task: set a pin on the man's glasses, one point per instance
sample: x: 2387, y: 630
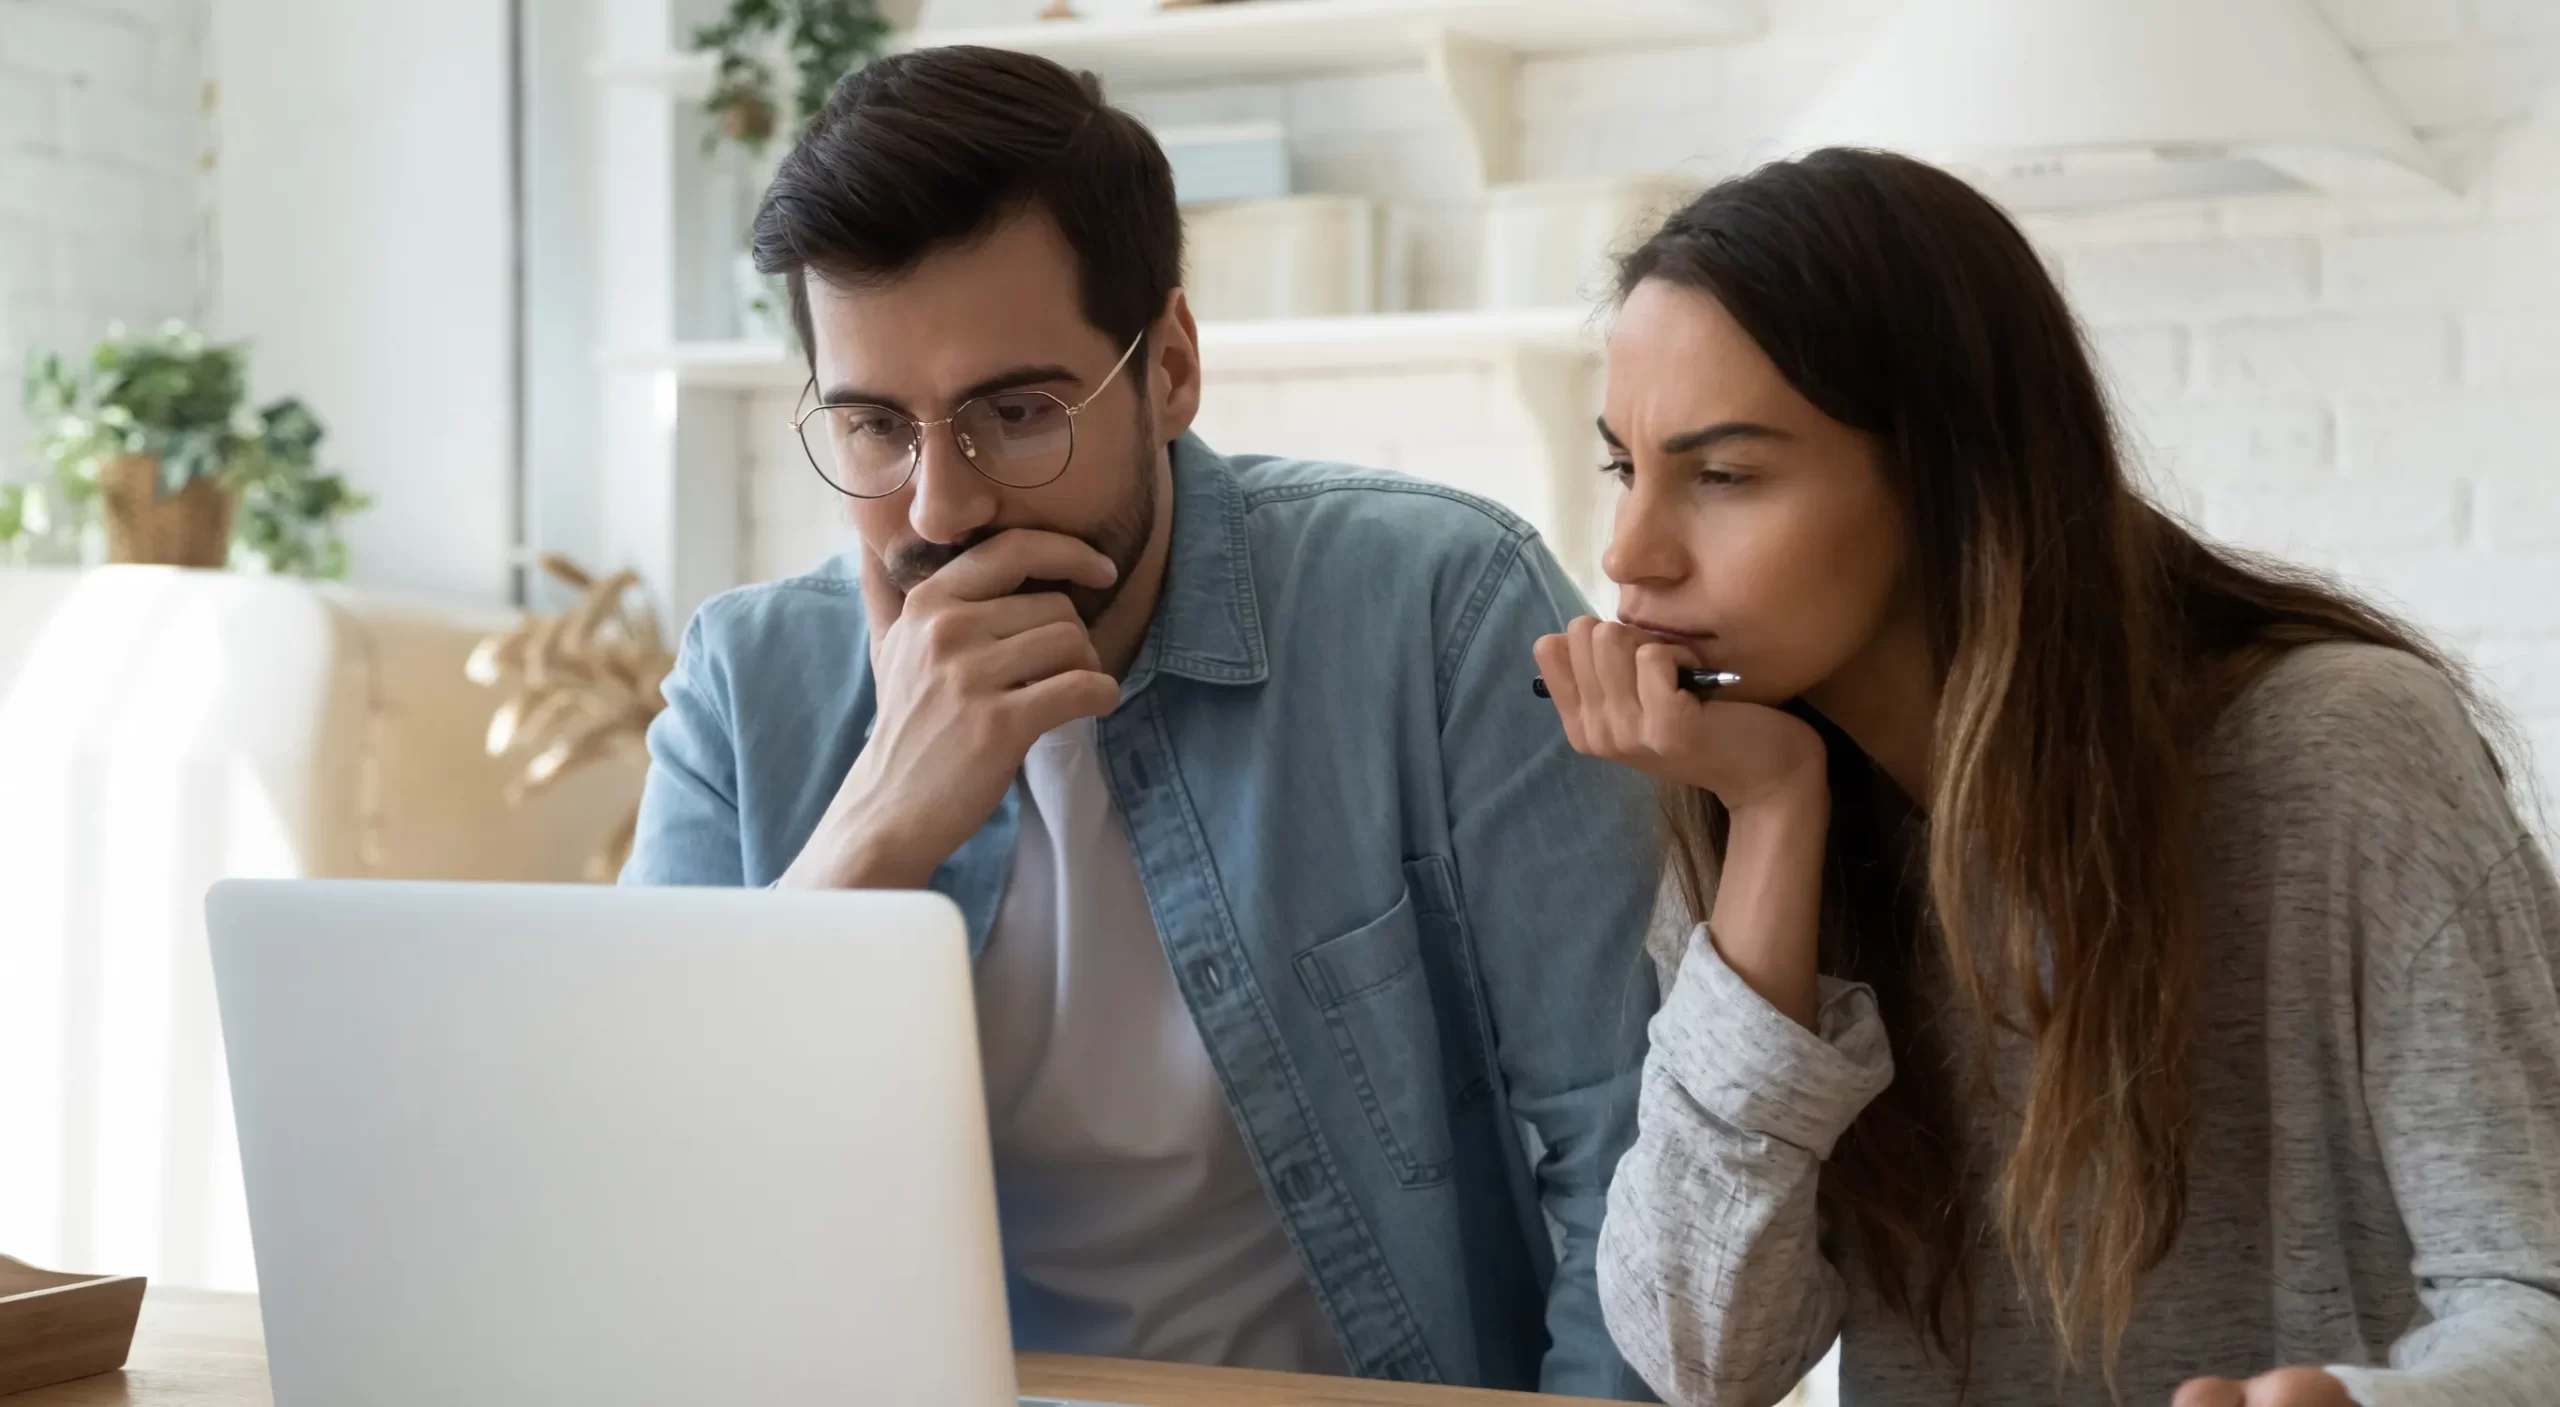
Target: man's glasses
x: 1020, y: 439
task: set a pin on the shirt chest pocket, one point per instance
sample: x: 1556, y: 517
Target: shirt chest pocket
x: 1375, y: 991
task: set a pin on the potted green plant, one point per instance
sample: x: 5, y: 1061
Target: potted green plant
x: 154, y: 440
x: 820, y: 41
x: 823, y: 40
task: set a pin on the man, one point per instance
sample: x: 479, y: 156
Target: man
x: 1300, y: 931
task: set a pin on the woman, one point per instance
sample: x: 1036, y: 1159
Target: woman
x: 2122, y: 964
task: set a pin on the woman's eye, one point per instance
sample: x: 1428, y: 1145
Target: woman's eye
x: 1708, y: 476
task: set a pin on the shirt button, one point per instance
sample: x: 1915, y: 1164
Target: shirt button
x: 1207, y: 974
x: 1298, y: 1184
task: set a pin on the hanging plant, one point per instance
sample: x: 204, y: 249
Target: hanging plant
x: 822, y: 39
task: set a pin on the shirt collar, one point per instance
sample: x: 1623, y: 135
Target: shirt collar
x: 1208, y: 622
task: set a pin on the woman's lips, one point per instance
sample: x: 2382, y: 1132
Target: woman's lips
x: 1666, y: 633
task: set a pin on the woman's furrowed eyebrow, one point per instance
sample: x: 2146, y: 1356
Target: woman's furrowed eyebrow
x: 1705, y: 436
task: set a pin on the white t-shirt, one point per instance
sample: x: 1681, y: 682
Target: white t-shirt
x: 1134, y: 1224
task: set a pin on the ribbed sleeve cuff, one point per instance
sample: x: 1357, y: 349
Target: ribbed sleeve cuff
x: 1751, y: 1066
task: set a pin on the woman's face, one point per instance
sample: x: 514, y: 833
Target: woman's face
x: 1752, y: 527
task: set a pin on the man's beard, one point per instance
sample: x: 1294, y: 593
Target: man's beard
x: 1122, y: 537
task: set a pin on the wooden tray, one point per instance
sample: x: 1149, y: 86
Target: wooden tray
x: 56, y: 1327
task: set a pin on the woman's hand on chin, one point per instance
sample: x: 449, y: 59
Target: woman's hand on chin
x: 1616, y: 689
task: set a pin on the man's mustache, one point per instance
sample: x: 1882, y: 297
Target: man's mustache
x: 910, y: 565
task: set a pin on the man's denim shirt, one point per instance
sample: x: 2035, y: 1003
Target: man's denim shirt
x: 1407, y: 917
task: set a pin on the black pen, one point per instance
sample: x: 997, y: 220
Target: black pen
x: 1692, y: 681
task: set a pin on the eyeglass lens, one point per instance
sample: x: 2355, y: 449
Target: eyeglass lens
x: 1021, y: 439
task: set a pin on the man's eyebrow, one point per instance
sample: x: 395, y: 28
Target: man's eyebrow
x: 845, y: 393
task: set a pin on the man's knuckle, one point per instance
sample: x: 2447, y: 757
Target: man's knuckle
x: 943, y: 631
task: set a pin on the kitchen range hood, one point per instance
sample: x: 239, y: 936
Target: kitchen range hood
x: 2052, y: 104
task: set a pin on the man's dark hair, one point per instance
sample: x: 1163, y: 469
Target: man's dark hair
x: 931, y: 148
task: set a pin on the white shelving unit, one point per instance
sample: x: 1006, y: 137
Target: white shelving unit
x: 685, y: 77
x: 720, y: 366
x: 1352, y: 344
x: 671, y: 403
x: 1285, y: 38
x: 1397, y: 340
x: 1207, y: 43
x: 1471, y: 48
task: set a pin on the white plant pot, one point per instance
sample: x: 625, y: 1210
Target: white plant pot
x: 1309, y: 256
x: 1551, y: 244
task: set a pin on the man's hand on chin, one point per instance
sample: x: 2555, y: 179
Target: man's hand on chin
x: 970, y: 670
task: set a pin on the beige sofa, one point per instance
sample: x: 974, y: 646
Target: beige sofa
x: 163, y: 729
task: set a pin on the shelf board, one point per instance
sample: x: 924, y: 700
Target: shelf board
x: 1273, y: 38
x: 730, y: 365
x: 683, y: 76
x: 1389, y: 341
x: 1382, y: 342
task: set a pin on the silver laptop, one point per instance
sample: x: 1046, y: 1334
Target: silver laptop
x: 514, y: 1145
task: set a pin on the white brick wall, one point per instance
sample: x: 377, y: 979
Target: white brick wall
x: 2321, y: 350
x: 2363, y: 387
x: 102, y: 145
x: 2510, y: 349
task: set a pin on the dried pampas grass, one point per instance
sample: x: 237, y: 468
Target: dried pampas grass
x: 586, y: 685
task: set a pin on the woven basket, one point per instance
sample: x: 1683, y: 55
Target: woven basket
x: 189, y: 528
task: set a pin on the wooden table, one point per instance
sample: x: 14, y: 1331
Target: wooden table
x: 197, y: 1349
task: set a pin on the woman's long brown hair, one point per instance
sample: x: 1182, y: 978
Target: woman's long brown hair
x: 2084, y: 642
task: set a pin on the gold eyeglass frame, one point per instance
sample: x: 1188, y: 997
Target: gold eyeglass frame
x: 915, y: 455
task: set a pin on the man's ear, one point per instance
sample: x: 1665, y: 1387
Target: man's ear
x: 1173, y: 368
